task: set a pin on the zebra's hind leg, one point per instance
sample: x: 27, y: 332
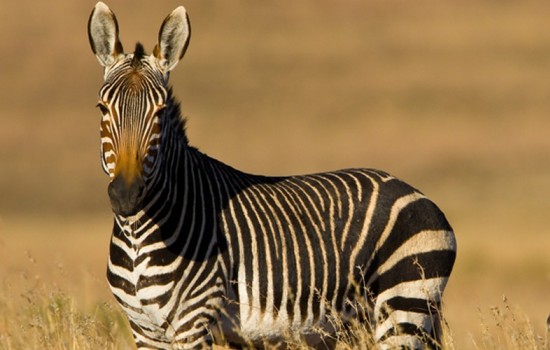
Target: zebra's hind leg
x: 408, y: 315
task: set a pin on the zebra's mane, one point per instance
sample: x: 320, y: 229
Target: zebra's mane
x: 174, y: 116
x: 139, y: 53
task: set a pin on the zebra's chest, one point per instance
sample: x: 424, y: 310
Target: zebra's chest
x: 133, y: 280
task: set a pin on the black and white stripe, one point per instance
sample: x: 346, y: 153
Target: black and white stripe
x: 271, y: 259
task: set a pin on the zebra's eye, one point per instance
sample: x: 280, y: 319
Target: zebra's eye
x: 104, y: 110
x: 159, y: 110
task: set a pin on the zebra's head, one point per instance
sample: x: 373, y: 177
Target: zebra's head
x: 132, y: 101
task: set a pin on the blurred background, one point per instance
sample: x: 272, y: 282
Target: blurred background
x: 452, y: 97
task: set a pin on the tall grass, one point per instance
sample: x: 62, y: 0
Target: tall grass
x: 506, y: 327
x: 53, y: 320
x: 53, y: 293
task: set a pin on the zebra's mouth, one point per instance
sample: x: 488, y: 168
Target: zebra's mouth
x: 126, y: 197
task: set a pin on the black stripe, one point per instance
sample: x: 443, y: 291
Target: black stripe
x: 404, y: 329
x: 415, y: 268
x: 415, y: 305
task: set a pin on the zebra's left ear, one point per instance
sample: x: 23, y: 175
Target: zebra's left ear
x: 174, y: 36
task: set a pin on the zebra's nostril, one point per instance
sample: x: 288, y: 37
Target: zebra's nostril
x: 115, y: 188
x: 126, y: 196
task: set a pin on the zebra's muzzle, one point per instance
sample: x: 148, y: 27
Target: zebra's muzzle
x: 126, y: 196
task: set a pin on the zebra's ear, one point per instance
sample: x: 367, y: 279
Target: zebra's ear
x: 103, y: 35
x: 174, y: 36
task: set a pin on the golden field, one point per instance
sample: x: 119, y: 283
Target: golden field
x: 453, y: 97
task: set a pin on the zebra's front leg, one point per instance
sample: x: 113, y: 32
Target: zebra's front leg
x: 148, y: 339
x: 197, y: 332
x: 200, y: 340
x: 195, y: 337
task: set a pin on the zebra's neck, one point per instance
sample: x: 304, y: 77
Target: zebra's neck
x: 185, y: 195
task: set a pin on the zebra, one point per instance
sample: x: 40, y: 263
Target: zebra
x: 202, y: 253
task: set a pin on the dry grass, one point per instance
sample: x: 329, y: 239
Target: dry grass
x: 52, y: 291
x: 451, y: 96
x: 52, y: 320
x: 504, y: 328
x: 53, y: 294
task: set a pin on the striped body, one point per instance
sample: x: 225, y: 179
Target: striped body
x: 201, y: 251
x: 278, y: 253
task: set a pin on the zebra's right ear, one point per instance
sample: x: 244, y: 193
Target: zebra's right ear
x: 174, y: 36
x: 103, y: 35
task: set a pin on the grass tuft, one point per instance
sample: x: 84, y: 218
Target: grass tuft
x: 53, y: 321
x: 506, y: 327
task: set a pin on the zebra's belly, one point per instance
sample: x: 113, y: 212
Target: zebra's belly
x: 260, y: 327
x: 242, y: 324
